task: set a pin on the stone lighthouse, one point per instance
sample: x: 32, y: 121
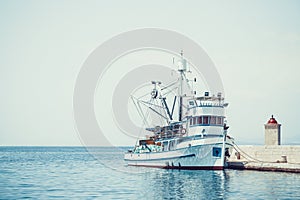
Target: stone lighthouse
x: 272, y: 132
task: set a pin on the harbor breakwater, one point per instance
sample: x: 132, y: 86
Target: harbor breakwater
x: 267, y: 158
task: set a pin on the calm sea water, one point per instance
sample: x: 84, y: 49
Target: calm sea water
x: 99, y: 173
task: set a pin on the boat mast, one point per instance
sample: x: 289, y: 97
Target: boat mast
x: 181, y: 69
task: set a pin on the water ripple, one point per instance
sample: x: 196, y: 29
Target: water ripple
x: 72, y: 173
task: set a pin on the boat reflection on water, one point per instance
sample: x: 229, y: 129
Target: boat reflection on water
x: 176, y: 184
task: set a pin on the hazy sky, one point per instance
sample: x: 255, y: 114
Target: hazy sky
x: 255, y: 46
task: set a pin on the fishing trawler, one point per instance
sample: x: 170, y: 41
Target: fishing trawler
x: 196, y: 139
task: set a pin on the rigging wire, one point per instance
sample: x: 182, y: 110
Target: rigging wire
x: 143, y: 125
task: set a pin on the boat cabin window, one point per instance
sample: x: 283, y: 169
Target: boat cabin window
x: 199, y: 120
x: 220, y: 120
x: 207, y: 120
x: 212, y: 120
x: 194, y: 120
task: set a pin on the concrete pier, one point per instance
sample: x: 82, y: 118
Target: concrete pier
x: 285, y: 158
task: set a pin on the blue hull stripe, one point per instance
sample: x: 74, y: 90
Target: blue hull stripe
x: 168, y: 158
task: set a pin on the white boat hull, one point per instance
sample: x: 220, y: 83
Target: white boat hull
x: 198, y: 155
